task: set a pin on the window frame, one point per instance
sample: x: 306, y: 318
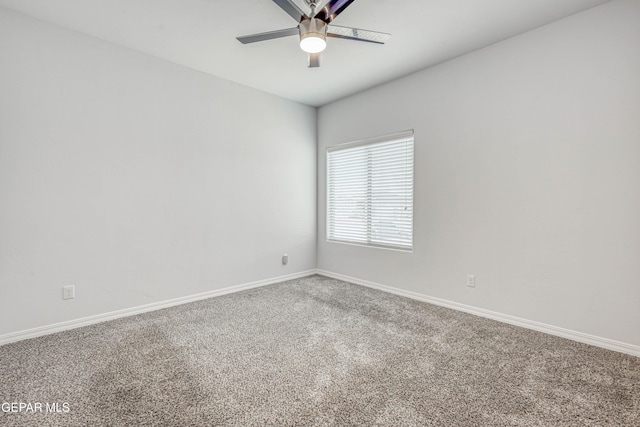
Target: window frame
x: 403, y: 135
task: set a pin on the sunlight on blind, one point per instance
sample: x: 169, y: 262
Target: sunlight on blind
x: 370, y: 192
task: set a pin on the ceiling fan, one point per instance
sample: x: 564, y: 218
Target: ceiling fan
x: 315, y: 27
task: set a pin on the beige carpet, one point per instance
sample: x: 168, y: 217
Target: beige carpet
x: 315, y: 351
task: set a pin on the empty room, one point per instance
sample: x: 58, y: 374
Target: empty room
x: 329, y: 213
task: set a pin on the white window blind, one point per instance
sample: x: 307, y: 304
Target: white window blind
x: 370, y: 192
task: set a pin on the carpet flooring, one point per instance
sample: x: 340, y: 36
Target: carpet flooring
x: 314, y: 351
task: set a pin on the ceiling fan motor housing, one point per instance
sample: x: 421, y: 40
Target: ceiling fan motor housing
x: 313, y: 35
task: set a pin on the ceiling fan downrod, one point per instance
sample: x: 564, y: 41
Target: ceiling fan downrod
x: 312, y: 6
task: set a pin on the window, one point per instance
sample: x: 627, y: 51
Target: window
x: 370, y: 192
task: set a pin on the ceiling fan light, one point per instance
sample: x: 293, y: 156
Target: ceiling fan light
x: 313, y: 35
x: 313, y: 44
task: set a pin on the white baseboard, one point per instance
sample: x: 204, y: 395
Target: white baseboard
x: 609, y: 344
x: 85, y: 321
x: 621, y: 347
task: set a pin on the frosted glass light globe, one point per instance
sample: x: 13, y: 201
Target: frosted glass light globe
x: 313, y: 44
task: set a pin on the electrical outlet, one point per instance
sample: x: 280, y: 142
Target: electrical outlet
x: 285, y: 259
x: 68, y: 292
x: 471, y: 281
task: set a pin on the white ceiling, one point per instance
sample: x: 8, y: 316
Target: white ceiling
x: 200, y: 34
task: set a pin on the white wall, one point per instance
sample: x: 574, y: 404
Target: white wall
x: 139, y: 181
x: 527, y: 175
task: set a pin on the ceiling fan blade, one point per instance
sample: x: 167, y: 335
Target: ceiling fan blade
x: 291, y: 8
x: 357, y: 34
x: 268, y: 35
x: 314, y: 60
x: 332, y: 9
